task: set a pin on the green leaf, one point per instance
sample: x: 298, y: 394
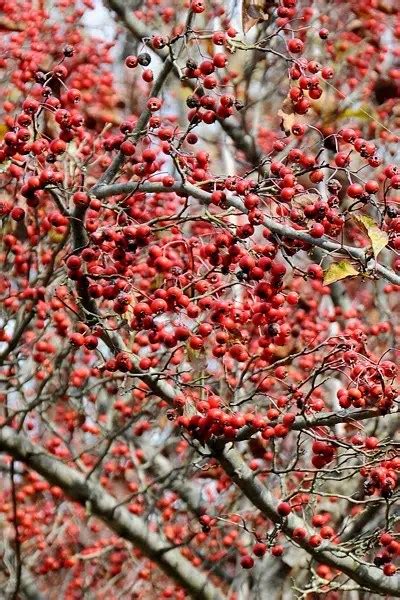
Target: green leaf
x: 88, y: 508
x: 337, y: 271
x: 189, y: 408
x: 4, y: 166
x: 379, y: 238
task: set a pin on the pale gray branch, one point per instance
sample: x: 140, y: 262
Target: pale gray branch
x: 279, y: 229
x: 105, y: 507
x: 369, y: 577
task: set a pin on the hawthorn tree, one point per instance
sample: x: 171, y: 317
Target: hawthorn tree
x: 199, y: 312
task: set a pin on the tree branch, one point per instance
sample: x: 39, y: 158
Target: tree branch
x: 277, y: 228
x: 102, y: 504
x: 28, y: 588
x: 242, y: 141
x: 369, y: 577
x: 230, y: 460
x: 322, y: 420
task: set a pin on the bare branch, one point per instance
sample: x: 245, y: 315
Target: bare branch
x: 277, y: 228
x: 368, y: 577
x: 102, y: 504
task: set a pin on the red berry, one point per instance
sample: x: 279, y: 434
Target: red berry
x: 247, y: 561
x: 197, y: 6
x: 295, y: 46
x: 277, y: 550
x: 327, y: 73
x: 196, y: 342
x: 385, y: 539
x: 154, y: 104
x: 355, y: 190
x: 80, y: 199
x: 220, y: 60
x: 218, y: 38
x: 395, y: 182
x: 73, y: 262
x: 371, y: 443
x: 287, y: 193
x: 17, y: 214
x: 128, y: 148
x: 131, y: 62
x: 389, y: 569
x: 349, y: 135
x: 317, y: 230
x: 372, y: 186
x: 284, y: 509
x: 315, y: 540
x: 259, y: 549
x: 299, y: 533
x: 327, y: 532
x: 148, y: 75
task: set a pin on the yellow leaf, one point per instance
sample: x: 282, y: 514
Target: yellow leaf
x: 192, y: 355
x: 379, y: 238
x: 157, y: 282
x: 362, y: 113
x: 3, y: 130
x: 55, y: 236
x: 337, y: 271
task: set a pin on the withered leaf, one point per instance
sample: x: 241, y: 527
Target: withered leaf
x: 252, y: 13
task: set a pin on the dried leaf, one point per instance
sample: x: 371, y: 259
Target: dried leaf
x: 355, y: 24
x: 8, y: 25
x: 338, y: 271
x: 387, y: 6
x: 287, y: 121
x: 283, y: 351
x: 196, y: 358
x: 287, y: 116
x: 327, y: 106
x: 303, y: 200
x: 252, y: 13
x: 378, y: 238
